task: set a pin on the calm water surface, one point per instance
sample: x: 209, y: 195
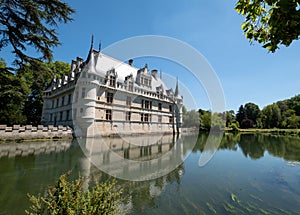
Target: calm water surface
x: 249, y: 174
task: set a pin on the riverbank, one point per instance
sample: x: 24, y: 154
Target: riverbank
x: 29, y: 132
x: 275, y: 131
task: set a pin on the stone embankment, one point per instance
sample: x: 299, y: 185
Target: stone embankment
x: 28, y: 132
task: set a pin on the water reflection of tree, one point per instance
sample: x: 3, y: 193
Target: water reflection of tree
x: 142, y: 195
x: 255, y: 145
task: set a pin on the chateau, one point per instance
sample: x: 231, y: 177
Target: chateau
x: 112, y: 96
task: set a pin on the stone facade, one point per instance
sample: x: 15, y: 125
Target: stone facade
x: 112, y: 97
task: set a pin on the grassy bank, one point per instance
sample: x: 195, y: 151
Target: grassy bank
x: 292, y: 132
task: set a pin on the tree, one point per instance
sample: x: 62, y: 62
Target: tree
x: 229, y: 117
x: 31, y: 23
x: 37, y: 74
x: 270, y: 22
x: 271, y: 116
x: 205, y: 119
x: 21, y: 94
x: 13, y: 93
x: 190, y: 118
x: 252, y: 112
x: 241, y: 114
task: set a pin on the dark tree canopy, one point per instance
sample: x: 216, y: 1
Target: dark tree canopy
x: 241, y: 114
x: 270, y: 22
x: 252, y: 111
x: 21, y: 94
x: 31, y: 24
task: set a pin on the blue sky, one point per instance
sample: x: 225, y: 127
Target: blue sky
x: 248, y: 73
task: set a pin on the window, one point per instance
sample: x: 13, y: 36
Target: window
x: 57, y: 102
x: 52, y: 104
x: 146, y: 119
x: 160, y: 119
x: 128, y: 116
x: 128, y: 101
x: 130, y: 86
x: 69, y: 99
x: 109, y: 97
x: 50, y: 117
x: 142, y: 117
x: 99, y: 93
x: 142, y: 103
x: 68, y: 115
x: 112, y: 81
x: 108, y: 115
x: 62, y: 101
x: 147, y: 104
x: 170, y: 108
x: 170, y: 119
x: 83, y: 93
x: 60, y: 116
x: 159, y: 106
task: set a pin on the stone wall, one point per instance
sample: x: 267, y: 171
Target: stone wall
x: 18, y: 132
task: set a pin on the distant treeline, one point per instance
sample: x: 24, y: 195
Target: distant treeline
x: 21, y: 90
x: 282, y: 114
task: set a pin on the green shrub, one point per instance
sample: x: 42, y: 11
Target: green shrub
x: 234, y: 127
x: 69, y: 198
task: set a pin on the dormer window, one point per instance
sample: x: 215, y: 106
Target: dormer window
x: 129, y: 82
x: 130, y: 86
x: 112, y: 81
x: 143, y: 77
x: 111, y: 76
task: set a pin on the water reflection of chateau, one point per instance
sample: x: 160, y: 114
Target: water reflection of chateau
x: 12, y: 149
x: 138, y: 158
x: 135, y: 157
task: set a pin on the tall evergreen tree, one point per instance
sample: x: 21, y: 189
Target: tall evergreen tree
x: 241, y: 114
x: 31, y: 23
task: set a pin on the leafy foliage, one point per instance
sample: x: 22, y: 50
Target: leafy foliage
x: 21, y: 94
x: 13, y: 92
x: 190, y: 118
x: 32, y: 23
x: 270, y: 22
x: 281, y: 114
x: 37, y: 74
x: 205, y: 120
x: 271, y: 116
x: 70, y: 198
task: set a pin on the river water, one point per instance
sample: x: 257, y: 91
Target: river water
x: 248, y: 174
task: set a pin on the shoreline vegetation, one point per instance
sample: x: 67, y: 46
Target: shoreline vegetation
x: 272, y: 131
x: 275, y: 131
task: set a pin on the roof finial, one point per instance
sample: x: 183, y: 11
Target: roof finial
x: 100, y: 46
x: 92, y: 42
x: 176, y: 89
